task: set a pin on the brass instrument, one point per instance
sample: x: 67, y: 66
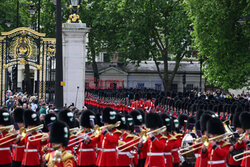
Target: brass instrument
x: 241, y: 138
x: 240, y: 154
x: 144, y: 137
x: 22, y: 132
x: 97, y: 131
x: 7, y: 128
x: 42, y: 136
x: 205, y: 140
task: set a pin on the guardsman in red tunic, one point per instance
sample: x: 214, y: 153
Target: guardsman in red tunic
x: 5, y: 154
x: 168, y: 140
x: 245, y: 142
x: 86, y: 149
x: 32, y: 152
x: 108, y: 140
x: 148, y: 105
x: 233, y: 150
x: 18, y: 149
x: 67, y: 116
x: 49, y: 119
x: 136, y: 104
x: 203, y: 117
x: 138, y: 123
x: 59, y: 137
x: 155, y: 148
x: 218, y: 149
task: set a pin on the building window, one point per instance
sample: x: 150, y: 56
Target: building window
x: 189, y: 87
x: 158, y: 86
x: 174, y: 87
x: 140, y: 85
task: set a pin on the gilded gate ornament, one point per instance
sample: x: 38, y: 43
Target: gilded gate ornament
x: 22, y: 47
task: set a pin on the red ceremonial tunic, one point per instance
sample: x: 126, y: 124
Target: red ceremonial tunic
x: 107, y: 155
x: 217, y: 157
x: 5, y: 153
x: 86, y: 153
x: 246, y: 161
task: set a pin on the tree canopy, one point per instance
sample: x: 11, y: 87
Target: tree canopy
x: 221, y: 40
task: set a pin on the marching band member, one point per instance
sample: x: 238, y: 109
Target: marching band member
x: 138, y: 126
x: 108, y: 140
x: 32, y: 152
x: 166, y: 139
x: 244, y: 143
x: 5, y: 154
x: 233, y: 151
x: 86, y: 150
x: 49, y: 119
x: 67, y: 116
x: 155, y: 148
x: 18, y: 149
x: 59, y: 137
x: 218, y: 149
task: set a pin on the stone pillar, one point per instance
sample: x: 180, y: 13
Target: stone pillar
x: 74, y: 56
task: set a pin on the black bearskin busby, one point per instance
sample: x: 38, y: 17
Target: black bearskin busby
x: 236, y: 120
x: 5, y: 119
x: 121, y: 117
x: 215, y: 126
x: 166, y: 121
x: 245, y: 120
x: 130, y: 123
x: 142, y: 114
x: 59, y: 133
x: 108, y: 115
x: 153, y: 120
x: 18, y: 115
x: 137, y: 97
x: 190, y: 123
x: 203, y: 120
x: 30, y: 118
x: 137, y: 116
x: 98, y: 118
x: 87, y: 119
x: 182, y: 119
x: 65, y: 115
x: 49, y: 119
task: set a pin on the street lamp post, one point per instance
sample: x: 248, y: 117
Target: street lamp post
x: 59, y: 62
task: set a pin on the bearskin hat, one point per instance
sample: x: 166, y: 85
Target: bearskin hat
x: 121, y: 117
x: 108, y: 115
x: 153, y: 120
x: 191, y: 122
x: 137, y: 97
x: 87, y: 119
x: 18, y: 115
x: 5, y: 119
x: 149, y: 96
x: 166, y: 121
x: 182, y: 119
x: 244, y: 120
x: 204, y: 118
x: 130, y: 123
x: 236, y: 120
x: 50, y: 118
x: 215, y: 126
x: 65, y: 115
x: 30, y: 118
x: 98, y: 118
x: 143, y: 114
x: 137, y: 117
x: 59, y: 133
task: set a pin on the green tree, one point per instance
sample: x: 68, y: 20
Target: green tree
x: 143, y: 29
x: 221, y: 40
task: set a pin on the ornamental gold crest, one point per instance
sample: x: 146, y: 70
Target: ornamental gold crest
x: 22, y: 47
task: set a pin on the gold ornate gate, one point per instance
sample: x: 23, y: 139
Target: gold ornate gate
x: 25, y: 46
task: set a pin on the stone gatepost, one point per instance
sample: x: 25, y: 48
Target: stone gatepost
x: 74, y: 57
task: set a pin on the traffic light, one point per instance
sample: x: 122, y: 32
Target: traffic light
x: 14, y: 78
